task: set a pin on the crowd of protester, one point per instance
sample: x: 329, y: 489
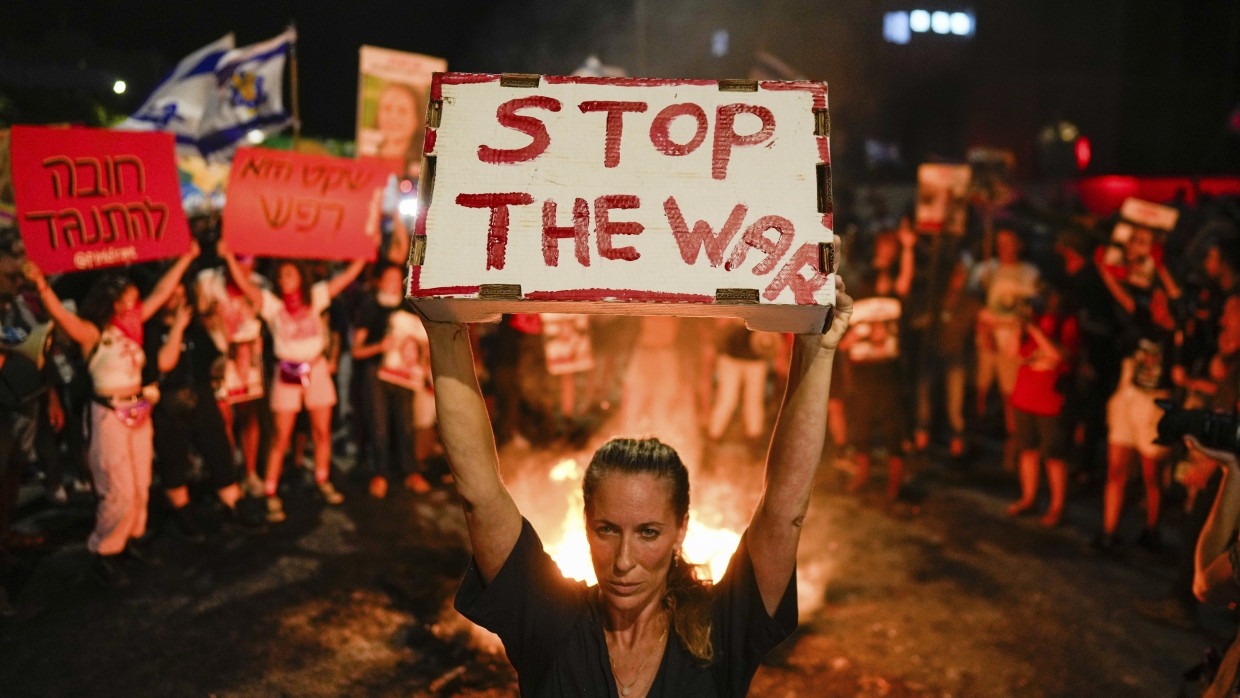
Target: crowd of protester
x: 1039, y: 340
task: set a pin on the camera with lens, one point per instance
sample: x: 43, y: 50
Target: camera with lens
x: 1219, y: 430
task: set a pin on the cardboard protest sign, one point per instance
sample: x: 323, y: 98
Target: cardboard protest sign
x: 942, y: 198
x: 89, y: 198
x: 1144, y: 213
x: 391, y: 106
x: 566, y: 343
x: 284, y: 204
x: 407, y: 363
x: 875, y: 330
x: 625, y: 195
x: 243, y: 373
x: 1136, y: 212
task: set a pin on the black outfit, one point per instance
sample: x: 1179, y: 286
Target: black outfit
x: 876, y: 391
x: 187, y: 413
x: 387, y: 407
x: 552, y: 628
x: 1098, y: 317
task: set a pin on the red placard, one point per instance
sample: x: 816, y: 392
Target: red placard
x: 90, y: 198
x: 285, y: 204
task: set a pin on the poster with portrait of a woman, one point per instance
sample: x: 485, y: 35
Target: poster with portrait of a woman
x: 392, y: 91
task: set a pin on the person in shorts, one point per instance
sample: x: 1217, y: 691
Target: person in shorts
x: 1049, y: 344
x: 303, y: 378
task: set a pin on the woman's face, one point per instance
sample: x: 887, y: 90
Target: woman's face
x: 633, y: 532
x: 128, y: 300
x: 289, y: 279
x: 1007, y: 247
x: 1140, y: 245
x: 397, y: 118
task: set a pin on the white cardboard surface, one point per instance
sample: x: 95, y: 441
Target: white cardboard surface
x: 776, y: 177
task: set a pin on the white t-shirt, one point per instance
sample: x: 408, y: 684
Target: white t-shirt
x: 1007, y: 286
x: 301, y: 337
x: 1008, y: 289
x: 116, y: 364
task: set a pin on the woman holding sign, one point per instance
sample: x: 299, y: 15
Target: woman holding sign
x: 649, y: 627
x: 121, y: 447
x: 303, y: 378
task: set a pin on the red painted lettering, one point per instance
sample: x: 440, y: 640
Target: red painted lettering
x: 660, y: 129
x: 508, y: 117
x: 615, y: 124
x: 702, y: 237
x: 497, y: 233
x: 803, y: 289
x: 727, y: 138
x: 605, y: 228
x: 755, y: 238
x: 579, y: 231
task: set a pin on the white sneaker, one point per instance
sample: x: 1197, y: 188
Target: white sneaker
x: 58, y: 496
x: 330, y: 494
x: 253, y: 485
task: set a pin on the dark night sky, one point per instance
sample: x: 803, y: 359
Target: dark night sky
x: 144, y: 39
x: 1150, y: 81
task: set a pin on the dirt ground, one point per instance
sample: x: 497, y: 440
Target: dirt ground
x: 941, y: 594
x: 946, y: 596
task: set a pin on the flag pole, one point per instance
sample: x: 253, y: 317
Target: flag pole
x: 293, y: 89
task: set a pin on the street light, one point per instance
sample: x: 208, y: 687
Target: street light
x: 119, y: 87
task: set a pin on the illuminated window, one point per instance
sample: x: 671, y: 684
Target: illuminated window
x: 961, y: 23
x: 919, y: 21
x: 896, y: 27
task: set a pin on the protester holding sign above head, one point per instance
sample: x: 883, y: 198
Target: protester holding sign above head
x: 303, y: 378
x: 237, y: 331
x: 1143, y: 291
x: 110, y: 334
x: 649, y: 627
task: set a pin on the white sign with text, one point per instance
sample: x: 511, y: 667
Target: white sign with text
x: 627, y: 195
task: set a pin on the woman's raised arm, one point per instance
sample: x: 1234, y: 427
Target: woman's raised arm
x: 81, y: 331
x: 1214, y: 577
x: 164, y: 287
x: 253, y: 293
x: 796, y: 449
x: 338, y: 283
x: 465, y: 428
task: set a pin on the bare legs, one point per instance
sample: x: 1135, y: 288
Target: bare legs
x: 1056, y: 478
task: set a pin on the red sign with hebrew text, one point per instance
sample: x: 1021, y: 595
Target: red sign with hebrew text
x: 89, y: 198
x: 285, y: 204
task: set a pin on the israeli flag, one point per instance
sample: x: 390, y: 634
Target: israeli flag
x: 248, y: 95
x: 179, y: 102
x: 217, y: 95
